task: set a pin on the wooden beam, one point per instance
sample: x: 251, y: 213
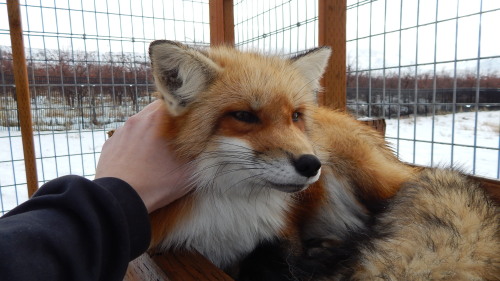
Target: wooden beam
x: 332, y: 32
x: 189, y: 266
x: 22, y: 94
x: 221, y: 22
x: 491, y: 186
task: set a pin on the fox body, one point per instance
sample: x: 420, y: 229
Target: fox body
x: 441, y: 225
x: 451, y: 233
x: 268, y: 163
x: 263, y: 158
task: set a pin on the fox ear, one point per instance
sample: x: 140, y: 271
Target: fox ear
x: 180, y: 73
x: 312, y: 64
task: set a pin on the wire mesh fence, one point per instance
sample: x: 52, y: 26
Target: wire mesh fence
x: 88, y: 72
x: 283, y: 26
x: 431, y: 68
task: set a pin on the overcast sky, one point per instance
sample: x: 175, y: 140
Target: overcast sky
x: 443, y: 42
x: 283, y: 26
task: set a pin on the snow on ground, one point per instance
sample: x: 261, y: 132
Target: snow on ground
x: 58, y: 153
x: 433, y: 143
x: 76, y: 152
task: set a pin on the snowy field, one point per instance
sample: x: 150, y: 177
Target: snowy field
x: 433, y: 143
x: 76, y: 152
x: 58, y: 153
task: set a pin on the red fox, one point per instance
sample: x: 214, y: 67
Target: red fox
x: 269, y: 164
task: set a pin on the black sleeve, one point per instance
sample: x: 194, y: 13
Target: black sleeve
x: 74, y: 229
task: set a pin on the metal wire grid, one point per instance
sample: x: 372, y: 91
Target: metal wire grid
x: 285, y: 26
x: 409, y: 59
x: 88, y: 70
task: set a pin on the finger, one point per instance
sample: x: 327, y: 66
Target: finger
x: 150, y: 108
x: 153, y: 111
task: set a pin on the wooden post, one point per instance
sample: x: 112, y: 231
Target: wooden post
x: 221, y: 22
x: 332, y: 32
x: 23, y: 94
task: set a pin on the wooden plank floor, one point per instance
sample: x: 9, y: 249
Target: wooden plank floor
x: 189, y: 266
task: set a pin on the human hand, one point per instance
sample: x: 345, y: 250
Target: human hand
x: 139, y: 154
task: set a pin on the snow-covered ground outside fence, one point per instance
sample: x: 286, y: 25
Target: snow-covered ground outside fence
x: 433, y: 143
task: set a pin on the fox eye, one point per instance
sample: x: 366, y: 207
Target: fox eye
x: 245, y: 116
x: 295, y: 116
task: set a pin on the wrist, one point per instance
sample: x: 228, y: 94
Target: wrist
x: 147, y: 200
x: 134, y: 210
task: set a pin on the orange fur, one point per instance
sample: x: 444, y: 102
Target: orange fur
x: 358, y: 153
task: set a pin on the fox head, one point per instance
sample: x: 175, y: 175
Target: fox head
x: 240, y: 116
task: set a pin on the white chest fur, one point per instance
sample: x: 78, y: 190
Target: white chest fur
x: 225, y: 228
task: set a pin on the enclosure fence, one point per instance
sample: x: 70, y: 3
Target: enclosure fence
x: 430, y: 68
x: 88, y: 72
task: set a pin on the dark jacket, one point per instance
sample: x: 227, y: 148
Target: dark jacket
x: 74, y: 229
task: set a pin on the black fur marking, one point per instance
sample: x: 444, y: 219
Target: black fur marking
x: 173, y: 82
x: 319, y: 258
x: 439, y: 222
x: 267, y: 262
x: 171, y: 79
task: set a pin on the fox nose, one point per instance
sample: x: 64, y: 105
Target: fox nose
x: 307, y: 165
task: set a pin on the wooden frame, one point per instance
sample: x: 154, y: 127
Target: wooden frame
x: 221, y: 22
x: 332, y: 32
x: 23, y: 94
x: 189, y: 266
